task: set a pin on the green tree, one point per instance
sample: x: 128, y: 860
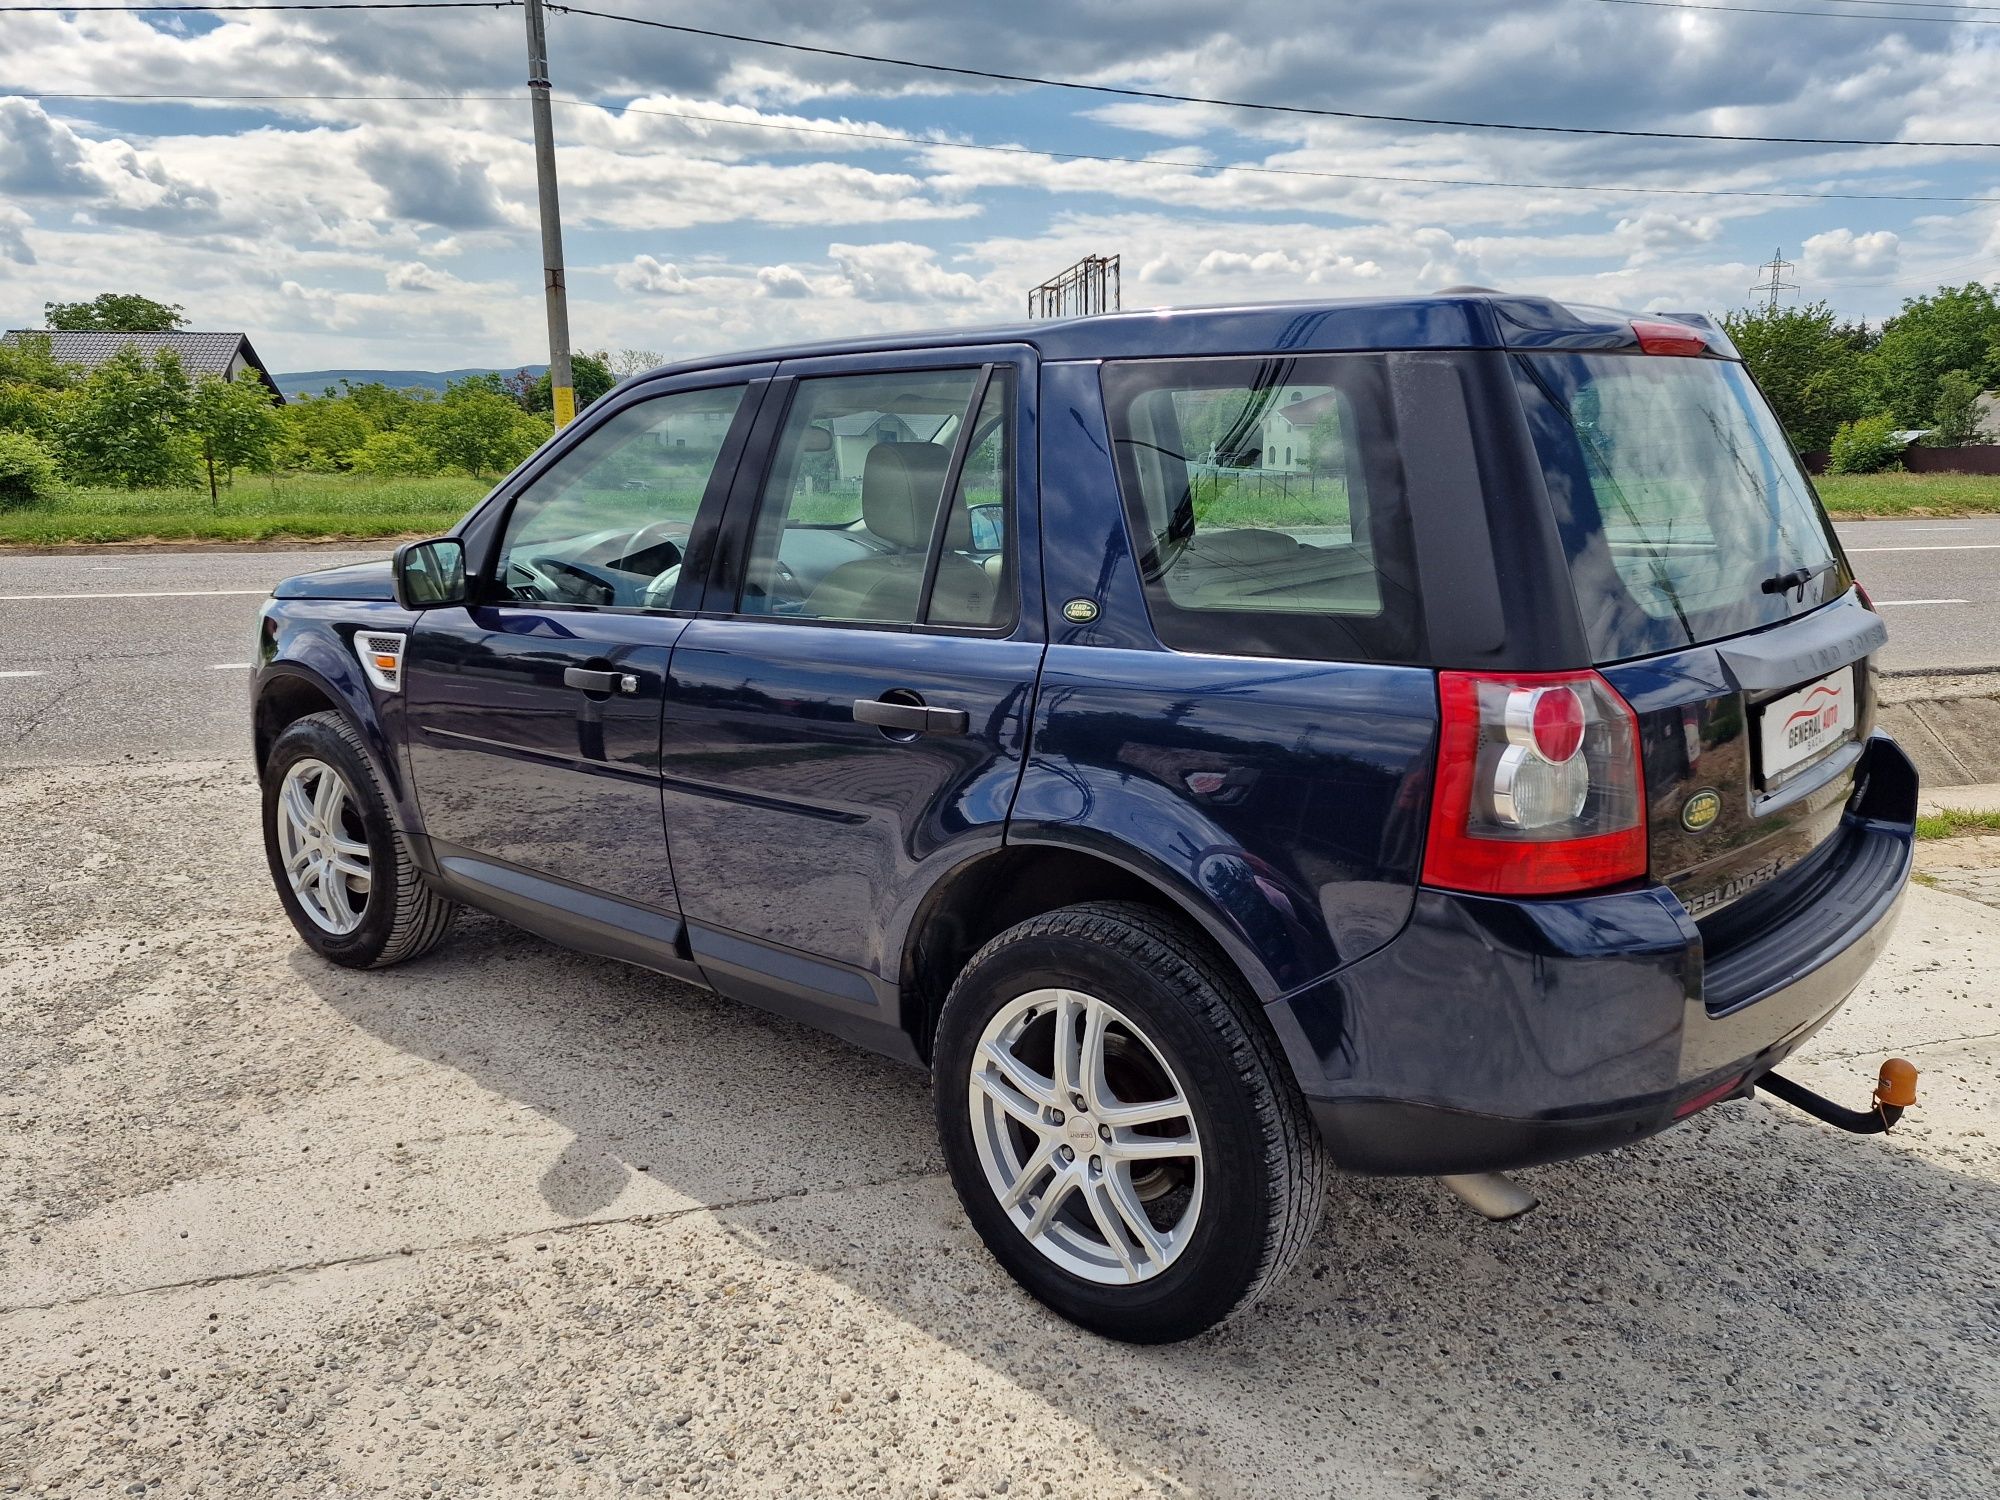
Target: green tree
x: 1328, y: 446
x: 320, y: 432
x: 475, y: 429
x: 1955, y: 417
x: 235, y: 423
x: 593, y: 377
x: 394, y: 454
x: 31, y: 385
x: 629, y: 362
x: 1808, y: 366
x: 1954, y: 328
x: 384, y: 407
x: 117, y: 312
x: 126, y: 422
x: 27, y: 471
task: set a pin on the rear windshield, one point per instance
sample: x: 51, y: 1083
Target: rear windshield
x: 1684, y: 513
x: 1266, y: 505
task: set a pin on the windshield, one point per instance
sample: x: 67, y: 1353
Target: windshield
x: 1684, y: 513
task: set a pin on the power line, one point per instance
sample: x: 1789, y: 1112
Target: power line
x: 932, y: 143
x: 1197, y: 166
x: 1824, y: 15
x: 994, y: 76
x: 1915, y: 4
x: 274, y: 5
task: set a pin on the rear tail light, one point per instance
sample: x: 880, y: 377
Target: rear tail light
x: 1539, y: 790
x: 1867, y: 599
x: 1657, y: 336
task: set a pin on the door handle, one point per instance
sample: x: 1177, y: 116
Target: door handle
x: 910, y: 718
x: 589, y: 680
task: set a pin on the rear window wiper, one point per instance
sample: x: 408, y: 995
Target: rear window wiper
x: 1798, y: 578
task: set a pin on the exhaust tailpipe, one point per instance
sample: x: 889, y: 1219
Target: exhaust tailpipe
x: 1494, y: 1194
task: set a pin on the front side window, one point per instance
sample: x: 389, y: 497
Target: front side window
x: 1266, y: 505
x: 847, y: 523
x: 605, y: 525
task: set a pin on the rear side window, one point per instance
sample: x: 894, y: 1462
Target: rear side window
x: 1266, y: 505
x: 1684, y: 514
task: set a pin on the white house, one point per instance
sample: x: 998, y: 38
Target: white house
x: 1288, y: 428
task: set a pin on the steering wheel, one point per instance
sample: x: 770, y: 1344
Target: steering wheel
x: 576, y: 584
x: 659, y: 594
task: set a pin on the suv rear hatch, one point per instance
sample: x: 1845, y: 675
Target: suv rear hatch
x: 1715, y: 599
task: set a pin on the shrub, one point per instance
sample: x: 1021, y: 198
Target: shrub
x: 393, y: 454
x: 1866, y: 445
x: 1955, y: 417
x: 27, y: 471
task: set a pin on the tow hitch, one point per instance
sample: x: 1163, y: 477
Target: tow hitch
x: 1895, y: 1091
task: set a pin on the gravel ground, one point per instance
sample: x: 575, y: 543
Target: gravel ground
x: 512, y: 1222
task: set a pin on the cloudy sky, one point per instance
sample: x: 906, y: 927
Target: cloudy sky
x: 367, y: 231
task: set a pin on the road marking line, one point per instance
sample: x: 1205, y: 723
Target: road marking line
x: 1920, y: 601
x: 244, y: 666
x: 20, y: 674
x: 1947, y: 547
x: 155, y: 594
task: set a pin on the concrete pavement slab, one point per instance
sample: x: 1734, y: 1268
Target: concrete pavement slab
x: 509, y: 1221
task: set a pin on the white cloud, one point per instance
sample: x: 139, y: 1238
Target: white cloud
x: 415, y: 276
x: 323, y: 229
x: 1843, y: 253
x: 105, y: 181
x: 783, y: 281
x: 900, y: 272
x: 13, y: 240
x: 645, y: 273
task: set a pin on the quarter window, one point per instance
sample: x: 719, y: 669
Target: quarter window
x: 1266, y: 504
x: 606, y: 524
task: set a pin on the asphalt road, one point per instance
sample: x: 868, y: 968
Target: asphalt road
x: 1937, y: 583
x: 139, y: 656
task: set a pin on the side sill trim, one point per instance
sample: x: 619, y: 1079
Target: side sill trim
x: 588, y: 921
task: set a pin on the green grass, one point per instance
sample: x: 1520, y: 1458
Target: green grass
x: 1948, y: 823
x: 1850, y: 495
x: 353, y: 505
x: 254, y: 509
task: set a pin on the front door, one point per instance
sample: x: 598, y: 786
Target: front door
x: 854, y: 701
x: 534, y: 714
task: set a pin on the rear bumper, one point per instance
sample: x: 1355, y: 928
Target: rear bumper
x: 1493, y: 1034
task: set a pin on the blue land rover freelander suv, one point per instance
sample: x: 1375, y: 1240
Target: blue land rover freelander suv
x: 1416, y: 735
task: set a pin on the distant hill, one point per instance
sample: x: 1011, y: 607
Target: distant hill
x: 312, y: 382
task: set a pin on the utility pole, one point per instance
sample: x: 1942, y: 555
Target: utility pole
x: 1777, y: 265
x: 562, y: 385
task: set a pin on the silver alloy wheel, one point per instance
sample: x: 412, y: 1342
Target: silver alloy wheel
x: 1106, y: 1186
x: 323, y: 846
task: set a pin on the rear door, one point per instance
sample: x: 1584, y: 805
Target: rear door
x: 534, y: 712
x: 852, y: 704
x: 1715, y: 598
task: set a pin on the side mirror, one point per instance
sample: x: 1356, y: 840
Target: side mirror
x: 816, y: 440
x: 989, y: 527
x: 430, y: 575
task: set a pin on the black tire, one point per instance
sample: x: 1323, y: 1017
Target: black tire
x: 1264, y: 1169
x: 402, y: 917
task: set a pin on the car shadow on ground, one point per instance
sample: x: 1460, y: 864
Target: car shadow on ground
x: 1748, y: 1303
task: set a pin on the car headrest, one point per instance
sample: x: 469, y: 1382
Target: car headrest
x: 900, y: 485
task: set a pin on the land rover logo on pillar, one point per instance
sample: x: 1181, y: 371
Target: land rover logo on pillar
x: 1080, y: 611
x: 1700, y: 810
